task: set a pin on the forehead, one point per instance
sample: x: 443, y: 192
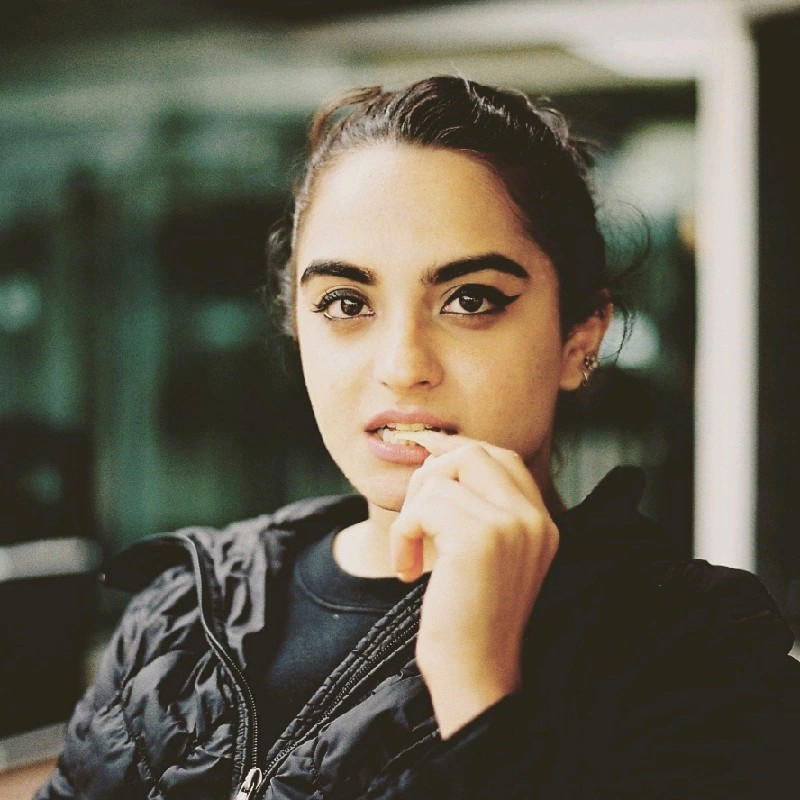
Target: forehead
x: 400, y: 204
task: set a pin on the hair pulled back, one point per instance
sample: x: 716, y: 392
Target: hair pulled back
x: 527, y: 145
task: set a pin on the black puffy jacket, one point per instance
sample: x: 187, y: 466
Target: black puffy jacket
x: 645, y: 676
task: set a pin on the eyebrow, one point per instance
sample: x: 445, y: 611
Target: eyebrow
x: 432, y: 277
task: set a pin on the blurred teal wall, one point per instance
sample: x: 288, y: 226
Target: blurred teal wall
x: 141, y: 173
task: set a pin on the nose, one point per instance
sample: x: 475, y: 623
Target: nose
x: 406, y: 357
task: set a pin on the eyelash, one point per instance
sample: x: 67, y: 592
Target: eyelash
x: 490, y: 293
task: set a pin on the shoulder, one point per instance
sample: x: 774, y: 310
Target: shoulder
x: 645, y: 610
x: 735, y: 592
x: 613, y: 551
x: 230, y: 565
x: 256, y: 543
x: 161, y: 617
x: 684, y: 625
x: 730, y: 609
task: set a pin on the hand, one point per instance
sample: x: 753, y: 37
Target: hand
x: 494, y: 542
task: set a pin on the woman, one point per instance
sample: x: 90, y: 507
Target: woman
x: 445, y: 280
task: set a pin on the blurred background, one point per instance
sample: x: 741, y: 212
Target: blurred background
x: 147, y: 147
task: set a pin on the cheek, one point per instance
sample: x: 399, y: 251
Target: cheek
x: 523, y: 386
x: 331, y: 376
x: 528, y: 357
x: 316, y: 367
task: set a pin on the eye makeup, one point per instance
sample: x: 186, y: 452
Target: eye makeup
x: 347, y: 299
x: 470, y: 296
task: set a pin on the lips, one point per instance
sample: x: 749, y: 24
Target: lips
x: 394, y: 418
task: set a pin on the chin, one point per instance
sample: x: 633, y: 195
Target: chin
x: 392, y: 504
x: 386, y: 493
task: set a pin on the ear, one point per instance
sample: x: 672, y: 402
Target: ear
x: 584, y: 339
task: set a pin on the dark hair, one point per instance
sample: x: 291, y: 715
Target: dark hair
x: 527, y: 145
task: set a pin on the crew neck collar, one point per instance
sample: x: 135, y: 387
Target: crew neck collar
x: 325, y: 582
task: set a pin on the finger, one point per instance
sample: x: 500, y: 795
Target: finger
x: 438, y: 444
x: 472, y: 466
x: 445, y: 508
x: 406, y: 545
x: 408, y: 558
x: 435, y: 442
x: 497, y: 474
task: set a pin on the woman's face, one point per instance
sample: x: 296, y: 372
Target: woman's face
x: 418, y: 291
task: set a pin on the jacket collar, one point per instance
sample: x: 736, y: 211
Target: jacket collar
x: 274, y: 535
x: 605, y: 532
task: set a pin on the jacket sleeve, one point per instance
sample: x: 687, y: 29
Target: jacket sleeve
x: 101, y: 758
x: 713, y: 713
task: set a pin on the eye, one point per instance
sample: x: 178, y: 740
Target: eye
x: 475, y: 300
x: 349, y: 305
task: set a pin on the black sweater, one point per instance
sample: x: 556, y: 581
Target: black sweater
x: 325, y: 612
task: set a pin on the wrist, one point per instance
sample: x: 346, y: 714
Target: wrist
x: 458, y: 699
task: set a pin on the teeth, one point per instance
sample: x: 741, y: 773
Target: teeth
x: 410, y: 426
x: 397, y: 437
x: 388, y: 435
x: 396, y: 432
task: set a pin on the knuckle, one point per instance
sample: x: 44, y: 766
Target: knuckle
x: 436, y: 485
x: 473, y: 450
x: 554, y: 537
x: 548, y: 538
x: 511, y: 456
x: 534, y: 521
x: 509, y: 523
x: 505, y: 531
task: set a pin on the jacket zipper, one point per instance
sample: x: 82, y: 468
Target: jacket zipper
x: 257, y: 778
x: 342, y: 695
x: 251, y: 718
x: 251, y: 783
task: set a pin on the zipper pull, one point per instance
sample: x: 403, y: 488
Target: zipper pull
x: 250, y: 784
